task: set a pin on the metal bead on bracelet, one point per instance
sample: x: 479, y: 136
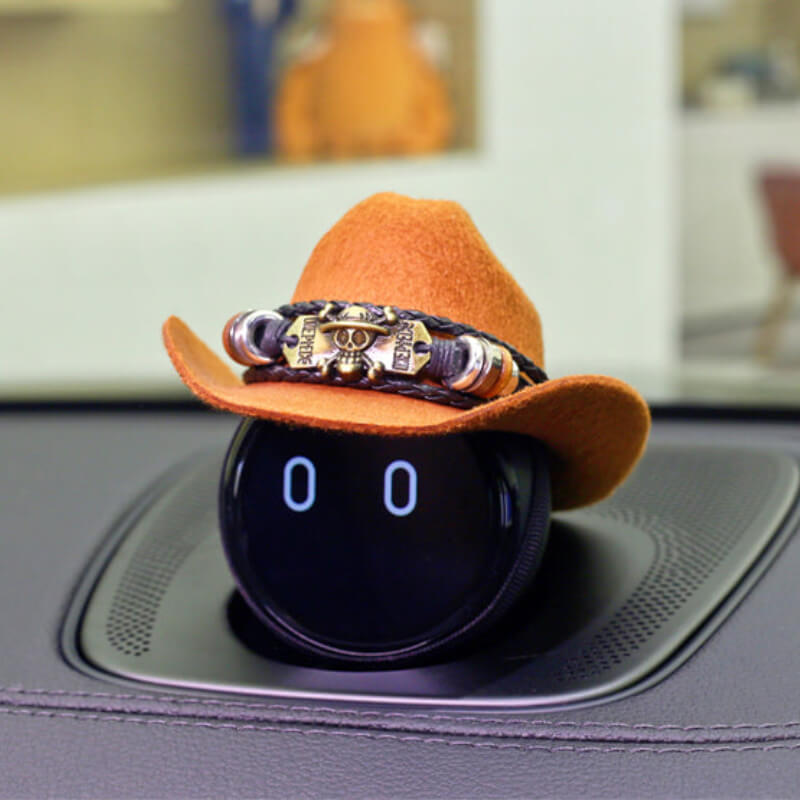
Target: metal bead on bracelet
x: 376, y: 347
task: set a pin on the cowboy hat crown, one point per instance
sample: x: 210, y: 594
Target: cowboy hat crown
x: 421, y: 254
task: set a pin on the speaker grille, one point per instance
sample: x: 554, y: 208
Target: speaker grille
x: 628, y: 582
x: 698, y: 511
x: 181, y: 521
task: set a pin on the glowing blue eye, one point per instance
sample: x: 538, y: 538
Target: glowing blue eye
x: 388, y: 488
x: 311, y: 485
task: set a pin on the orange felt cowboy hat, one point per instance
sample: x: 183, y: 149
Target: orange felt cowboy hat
x: 413, y: 266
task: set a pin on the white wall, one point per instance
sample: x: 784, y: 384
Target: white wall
x: 573, y: 188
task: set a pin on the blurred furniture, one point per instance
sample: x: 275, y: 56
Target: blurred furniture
x: 723, y: 245
x: 28, y: 7
x: 98, y: 95
x: 781, y: 193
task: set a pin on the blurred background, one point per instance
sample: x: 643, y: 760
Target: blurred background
x: 636, y: 166
x: 739, y: 201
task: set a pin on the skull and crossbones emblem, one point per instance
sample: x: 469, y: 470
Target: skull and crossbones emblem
x: 352, y: 332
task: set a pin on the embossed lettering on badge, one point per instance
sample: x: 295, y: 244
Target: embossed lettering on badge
x: 357, y: 341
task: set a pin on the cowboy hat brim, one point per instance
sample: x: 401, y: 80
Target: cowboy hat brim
x: 595, y: 426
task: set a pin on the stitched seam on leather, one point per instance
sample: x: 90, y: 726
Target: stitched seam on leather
x: 188, y: 702
x: 392, y: 714
x: 531, y: 733
x: 393, y: 737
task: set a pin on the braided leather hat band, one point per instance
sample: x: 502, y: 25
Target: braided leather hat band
x: 381, y: 348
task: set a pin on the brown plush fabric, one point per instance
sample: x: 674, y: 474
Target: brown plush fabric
x: 367, y: 90
x: 428, y: 255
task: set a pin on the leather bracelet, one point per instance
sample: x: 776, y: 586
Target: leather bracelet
x: 381, y: 348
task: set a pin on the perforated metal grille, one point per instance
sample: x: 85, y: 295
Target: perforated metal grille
x: 702, y: 506
x: 632, y: 579
x: 181, y: 523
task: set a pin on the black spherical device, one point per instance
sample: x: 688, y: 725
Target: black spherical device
x: 368, y: 551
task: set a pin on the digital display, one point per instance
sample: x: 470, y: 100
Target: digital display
x: 365, y: 543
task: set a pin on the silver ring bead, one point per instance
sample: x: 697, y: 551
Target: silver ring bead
x: 491, y: 372
x: 482, y: 370
x: 473, y: 372
x: 239, y: 337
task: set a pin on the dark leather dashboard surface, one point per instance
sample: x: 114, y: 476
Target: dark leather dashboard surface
x: 726, y: 723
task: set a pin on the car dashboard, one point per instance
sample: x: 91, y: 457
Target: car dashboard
x: 716, y: 715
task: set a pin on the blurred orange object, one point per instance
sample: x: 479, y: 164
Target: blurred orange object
x: 781, y: 191
x: 369, y: 90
